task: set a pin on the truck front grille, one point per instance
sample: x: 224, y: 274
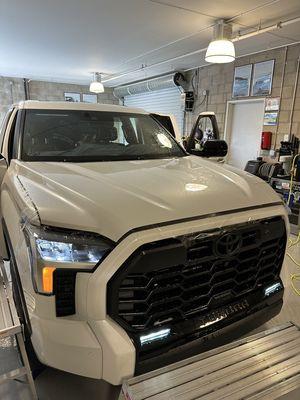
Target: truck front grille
x: 175, y: 280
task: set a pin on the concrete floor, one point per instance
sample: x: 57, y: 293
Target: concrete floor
x: 57, y: 385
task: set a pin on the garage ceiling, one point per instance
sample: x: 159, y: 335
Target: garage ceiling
x: 65, y: 40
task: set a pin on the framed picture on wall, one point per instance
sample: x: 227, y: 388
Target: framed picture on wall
x: 270, y: 118
x: 72, y: 97
x: 89, y: 98
x: 241, y: 81
x: 262, y: 78
x: 272, y: 104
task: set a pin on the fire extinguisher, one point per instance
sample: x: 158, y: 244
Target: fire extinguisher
x: 266, y: 140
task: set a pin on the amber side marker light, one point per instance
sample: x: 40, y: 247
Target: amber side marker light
x: 48, y: 279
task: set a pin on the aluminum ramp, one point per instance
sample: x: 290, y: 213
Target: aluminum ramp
x: 11, y: 335
x: 264, y: 366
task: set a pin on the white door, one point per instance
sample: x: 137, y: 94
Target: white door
x: 243, y: 133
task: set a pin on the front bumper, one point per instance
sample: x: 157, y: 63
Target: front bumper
x: 101, y: 350
x: 219, y: 333
x: 91, y: 344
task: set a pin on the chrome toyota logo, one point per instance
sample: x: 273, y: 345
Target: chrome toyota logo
x: 228, y: 244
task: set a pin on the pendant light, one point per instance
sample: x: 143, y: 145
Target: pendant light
x: 221, y: 49
x: 96, y: 86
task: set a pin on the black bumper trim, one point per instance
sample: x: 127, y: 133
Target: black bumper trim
x: 262, y: 313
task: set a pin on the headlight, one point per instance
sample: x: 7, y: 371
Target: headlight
x: 51, y: 249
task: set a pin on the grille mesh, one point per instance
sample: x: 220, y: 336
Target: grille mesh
x: 210, y: 277
x: 64, y: 287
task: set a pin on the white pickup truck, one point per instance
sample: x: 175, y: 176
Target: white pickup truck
x: 127, y: 253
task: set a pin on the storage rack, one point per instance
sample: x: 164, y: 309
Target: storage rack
x: 11, y: 366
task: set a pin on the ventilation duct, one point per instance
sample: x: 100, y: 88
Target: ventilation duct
x: 162, y: 82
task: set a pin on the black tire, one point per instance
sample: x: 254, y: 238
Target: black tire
x: 36, y: 366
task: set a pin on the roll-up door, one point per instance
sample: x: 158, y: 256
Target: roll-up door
x: 166, y: 101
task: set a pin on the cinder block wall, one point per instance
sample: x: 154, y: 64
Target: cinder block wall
x: 12, y: 91
x: 218, y: 80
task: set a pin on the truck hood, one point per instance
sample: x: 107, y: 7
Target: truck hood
x: 112, y: 198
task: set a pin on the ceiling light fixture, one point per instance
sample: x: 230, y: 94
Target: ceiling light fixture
x: 221, y: 49
x: 96, y: 86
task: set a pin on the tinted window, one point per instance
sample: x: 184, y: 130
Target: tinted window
x: 64, y: 135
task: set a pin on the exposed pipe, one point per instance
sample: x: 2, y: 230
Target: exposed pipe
x: 241, y: 14
x: 248, y: 54
x: 235, y: 39
x: 268, y: 29
x: 294, y: 98
x: 280, y: 95
x: 11, y: 84
x: 26, y: 88
x: 161, y: 82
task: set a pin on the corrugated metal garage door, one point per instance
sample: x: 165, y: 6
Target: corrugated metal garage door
x: 166, y: 101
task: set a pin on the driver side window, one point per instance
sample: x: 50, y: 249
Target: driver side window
x: 12, y: 135
x: 204, y: 131
x: 205, y: 124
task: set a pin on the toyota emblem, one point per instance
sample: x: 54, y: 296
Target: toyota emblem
x: 228, y: 244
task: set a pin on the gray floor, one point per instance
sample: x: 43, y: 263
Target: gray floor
x: 57, y: 385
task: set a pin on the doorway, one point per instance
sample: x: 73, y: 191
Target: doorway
x: 243, y: 127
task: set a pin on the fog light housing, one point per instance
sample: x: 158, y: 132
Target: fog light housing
x: 274, y: 288
x: 154, y: 336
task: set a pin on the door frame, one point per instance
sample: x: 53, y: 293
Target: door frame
x: 229, y: 113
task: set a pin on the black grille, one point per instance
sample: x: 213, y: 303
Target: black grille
x: 174, y: 280
x: 64, y: 289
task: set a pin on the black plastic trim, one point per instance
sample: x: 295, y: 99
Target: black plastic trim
x: 69, y: 308
x: 184, y: 327
x: 261, y: 314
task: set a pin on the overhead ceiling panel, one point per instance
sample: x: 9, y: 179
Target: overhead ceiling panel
x: 67, y: 40
x: 277, y: 10
x: 217, y: 8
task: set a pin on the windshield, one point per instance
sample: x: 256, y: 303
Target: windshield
x: 75, y: 135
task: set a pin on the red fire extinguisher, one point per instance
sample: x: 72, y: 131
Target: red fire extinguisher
x: 266, y: 140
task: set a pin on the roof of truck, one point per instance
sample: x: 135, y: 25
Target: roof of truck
x: 67, y: 105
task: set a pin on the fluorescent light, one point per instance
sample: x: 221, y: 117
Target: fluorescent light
x: 221, y: 49
x: 96, y: 86
x: 158, y: 335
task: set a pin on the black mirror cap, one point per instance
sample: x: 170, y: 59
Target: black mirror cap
x: 214, y: 148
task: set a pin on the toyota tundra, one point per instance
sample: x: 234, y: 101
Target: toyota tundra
x: 126, y: 252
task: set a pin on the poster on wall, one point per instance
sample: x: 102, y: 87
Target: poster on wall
x: 72, y: 97
x: 270, y: 118
x: 272, y: 104
x: 262, y: 78
x: 241, y: 81
x: 89, y: 98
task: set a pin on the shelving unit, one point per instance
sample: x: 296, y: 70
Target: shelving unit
x: 13, y: 358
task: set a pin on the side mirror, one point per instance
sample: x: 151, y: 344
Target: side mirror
x: 212, y: 148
